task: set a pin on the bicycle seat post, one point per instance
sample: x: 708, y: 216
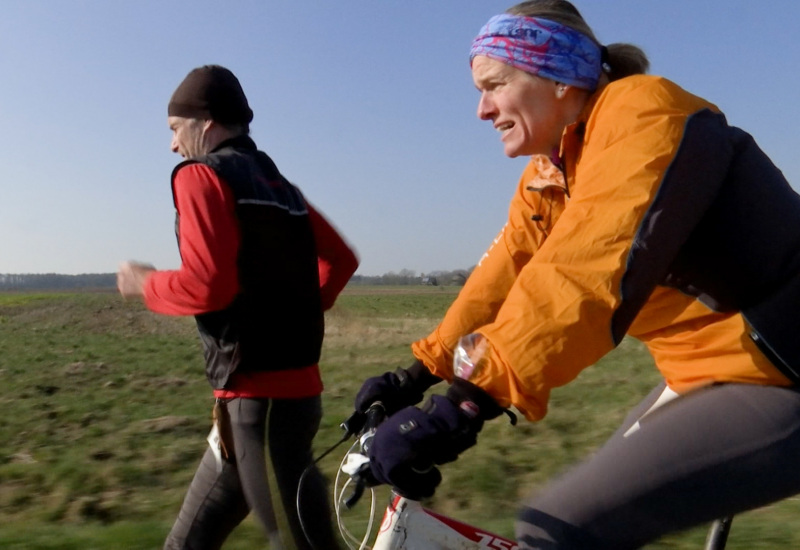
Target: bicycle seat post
x: 718, y: 534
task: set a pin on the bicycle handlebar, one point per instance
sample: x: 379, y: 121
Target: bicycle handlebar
x: 363, y: 425
x: 375, y: 415
x: 360, y: 422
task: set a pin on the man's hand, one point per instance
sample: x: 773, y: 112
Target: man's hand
x: 131, y: 277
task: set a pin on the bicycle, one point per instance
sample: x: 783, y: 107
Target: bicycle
x: 406, y: 524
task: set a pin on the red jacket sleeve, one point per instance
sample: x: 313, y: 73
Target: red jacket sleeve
x: 337, y: 261
x: 207, y: 279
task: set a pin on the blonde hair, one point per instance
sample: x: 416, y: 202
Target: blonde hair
x: 623, y: 59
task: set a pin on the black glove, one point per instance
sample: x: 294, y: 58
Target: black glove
x: 474, y: 407
x: 408, y: 445
x: 397, y: 389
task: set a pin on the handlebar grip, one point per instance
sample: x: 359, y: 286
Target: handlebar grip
x: 375, y: 415
x: 364, y: 422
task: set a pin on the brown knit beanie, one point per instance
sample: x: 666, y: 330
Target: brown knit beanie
x: 211, y: 92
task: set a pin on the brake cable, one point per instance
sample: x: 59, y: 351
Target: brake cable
x: 351, y: 426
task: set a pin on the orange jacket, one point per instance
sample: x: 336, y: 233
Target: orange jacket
x: 560, y: 285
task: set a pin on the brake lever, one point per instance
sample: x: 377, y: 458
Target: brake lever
x: 357, y: 467
x: 358, y: 492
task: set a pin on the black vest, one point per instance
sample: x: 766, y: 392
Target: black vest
x: 276, y: 321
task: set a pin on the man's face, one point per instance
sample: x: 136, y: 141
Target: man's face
x: 188, y: 136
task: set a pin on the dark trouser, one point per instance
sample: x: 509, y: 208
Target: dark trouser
x: 712, y: 453
x: 272, y: 440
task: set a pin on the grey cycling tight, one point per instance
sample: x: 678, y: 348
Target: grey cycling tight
x: 712, y: 453
x: 272, y: 440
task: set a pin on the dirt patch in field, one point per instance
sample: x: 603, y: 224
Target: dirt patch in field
x: 93, y: 313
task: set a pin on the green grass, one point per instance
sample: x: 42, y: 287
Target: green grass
x: 106, y: 410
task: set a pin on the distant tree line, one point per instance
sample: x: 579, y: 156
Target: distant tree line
x: 408, y: 277
x: 56, y: 281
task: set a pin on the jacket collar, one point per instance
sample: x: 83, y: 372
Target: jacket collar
x: 237, y: 142
x: 572, y: 139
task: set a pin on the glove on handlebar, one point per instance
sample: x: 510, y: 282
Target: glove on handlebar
x: 406, y: 446
x: 398, y: 454
x: 397, y: 389
x: 474, y: 401
x: 472, y: 407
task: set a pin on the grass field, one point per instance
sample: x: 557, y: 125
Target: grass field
x: 106, y: 410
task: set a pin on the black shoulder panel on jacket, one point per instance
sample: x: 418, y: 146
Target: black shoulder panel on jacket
x: 724, y: 227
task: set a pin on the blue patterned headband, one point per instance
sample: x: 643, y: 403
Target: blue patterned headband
x: 541, y: 47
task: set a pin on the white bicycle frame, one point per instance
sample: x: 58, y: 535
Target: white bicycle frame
x: 407, y: 525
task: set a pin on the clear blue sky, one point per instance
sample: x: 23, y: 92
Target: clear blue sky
x: 367, y: 105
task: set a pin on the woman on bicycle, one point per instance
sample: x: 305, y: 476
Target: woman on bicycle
x: 641, y: 213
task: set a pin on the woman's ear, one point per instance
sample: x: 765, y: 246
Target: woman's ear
x: 561, y: 90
